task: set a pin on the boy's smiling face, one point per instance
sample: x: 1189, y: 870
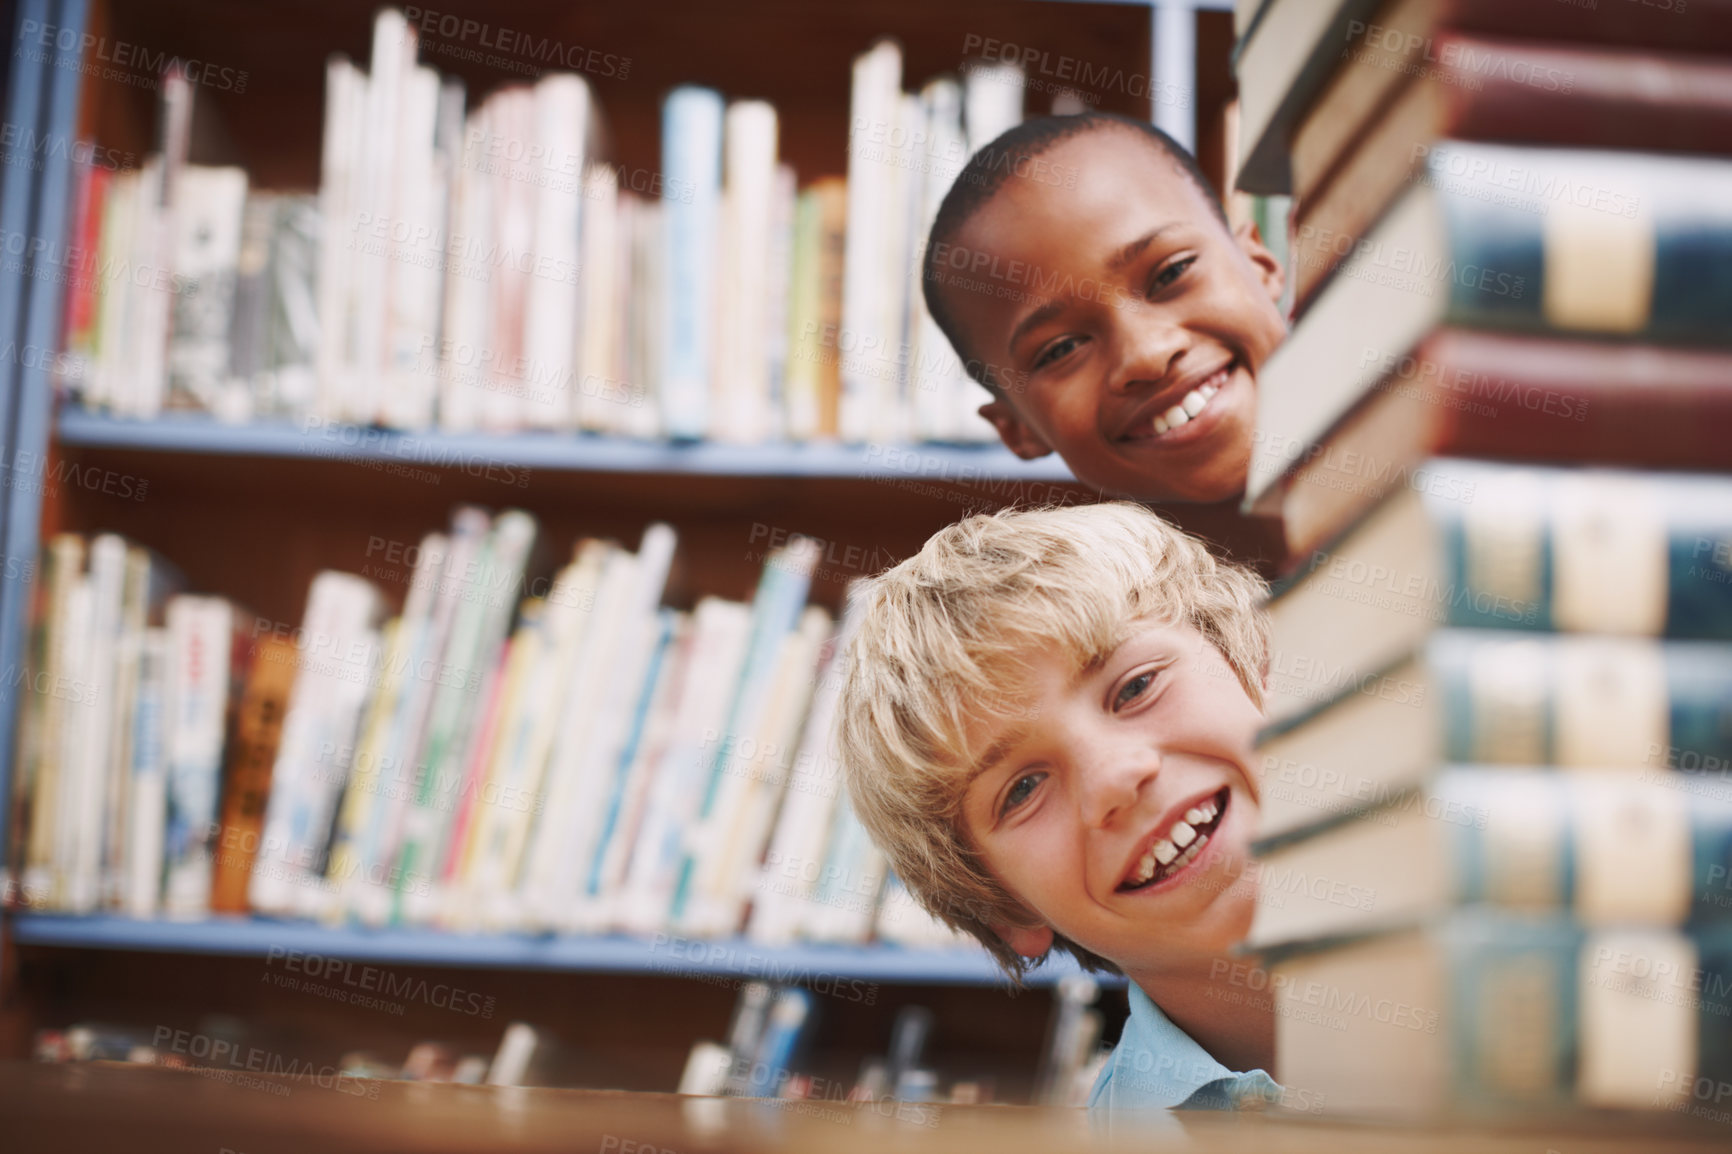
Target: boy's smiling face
x: 1129, y: 766
x: 1116, y: 302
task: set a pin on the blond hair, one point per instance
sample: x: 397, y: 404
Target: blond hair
x: 947, y: 637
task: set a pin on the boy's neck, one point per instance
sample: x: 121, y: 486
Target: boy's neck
x: 1229, y: 1019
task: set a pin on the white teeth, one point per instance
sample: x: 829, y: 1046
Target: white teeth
x: 1190, y: 855
x: 1194, y: 815
x: 1208, y: 392
x: 1160, y: 425
x: 1210, y: 809
x: 1176, y: 416
x: 1164, y: 851
x: 1194, y: 402
x: 1145, y: 870
x: 1182, y: 834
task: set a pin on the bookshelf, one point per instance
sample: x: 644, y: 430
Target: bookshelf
x: 613, y: 953
x: 253, y: 511
x: 199, y: 434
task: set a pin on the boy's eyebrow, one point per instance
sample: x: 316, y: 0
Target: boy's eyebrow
x: 994, y: 754
x: 1038, y: 317
x: 1134, y: 249
x: 1115, y: 263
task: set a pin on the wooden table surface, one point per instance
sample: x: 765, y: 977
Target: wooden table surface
x: 116, y: 1107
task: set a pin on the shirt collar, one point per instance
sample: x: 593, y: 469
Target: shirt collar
x: 1158, y: 1066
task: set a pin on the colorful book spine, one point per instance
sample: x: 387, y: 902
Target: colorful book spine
x: 477, y: 633
x: 776, y: 612
x: 247, y: 776
x: 548, y: 640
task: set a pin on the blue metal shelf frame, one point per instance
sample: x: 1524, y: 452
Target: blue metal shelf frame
x: 670, y: 955
x: 990, y: 465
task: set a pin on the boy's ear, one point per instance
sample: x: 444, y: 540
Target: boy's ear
x: 1269, y: 270
x: 1016, y: 435
x: 1029, y: 941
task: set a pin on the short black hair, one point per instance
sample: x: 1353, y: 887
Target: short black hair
x: 1011, y: 154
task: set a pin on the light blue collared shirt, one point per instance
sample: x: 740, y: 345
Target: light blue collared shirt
x: 1158, y: 1066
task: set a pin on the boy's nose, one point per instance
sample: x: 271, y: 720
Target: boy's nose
x: 1115, y: 782
x: 1150, y: 350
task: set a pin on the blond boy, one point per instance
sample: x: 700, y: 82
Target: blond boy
x: 1047, y: 725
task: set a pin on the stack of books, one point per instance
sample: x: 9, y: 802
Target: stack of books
x: 481, y: 265
x: 1497, y: 781
x: 511, y: 752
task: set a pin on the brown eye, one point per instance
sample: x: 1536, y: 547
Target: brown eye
x: 1168, y: 274
x: 1055, y: 351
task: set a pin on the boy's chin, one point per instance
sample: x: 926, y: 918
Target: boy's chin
x: 1213, y: 487
x: 1153, y: 476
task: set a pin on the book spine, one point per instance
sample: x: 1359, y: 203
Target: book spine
x: 76, y: 720
x: 600, y: 385
x: 147, y: 810
x: 619, y: 824
x: 203, y: 631
x: 45, y: 753
x: 1587, y: 551
x: 871, y: 320
x: 1614, y: 243
x: 345, y: 96
x: 74, y: 371
x: 1548, y: 1015
x: 247, y: 777
x: 336, y: 654
x: 555, y: 298
x: 795, y: 854
x: 1516, y: 398
x: 1566, y: 95
x: 721, y: 631
x: 1692, y: 27
x: 776, y: 609
x: 1612, y: 849
x: 94, y: 712
x: 691, y: 167
x: 414, y: 284
x: 551, y: 636
x: 477, y: 634
x: 1581, y: 700
x: 208, y: 210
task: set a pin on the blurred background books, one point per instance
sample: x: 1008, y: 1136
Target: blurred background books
x: 438, y: 447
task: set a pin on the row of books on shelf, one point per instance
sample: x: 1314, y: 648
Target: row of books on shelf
x: 511, y: 752
x: 487, y: 267
x: 769, y: 1052
x: 227, y: 1048
x: 1496, y: 824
